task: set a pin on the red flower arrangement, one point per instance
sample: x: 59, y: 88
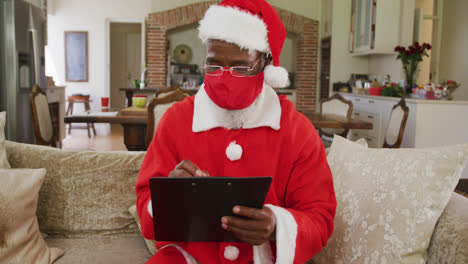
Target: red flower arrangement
x: 410, y: 58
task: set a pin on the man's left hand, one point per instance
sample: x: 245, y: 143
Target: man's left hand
x: 256, y: 230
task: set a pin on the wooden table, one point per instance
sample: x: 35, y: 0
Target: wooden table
x: 134, y: 121
x: 334, y: 121
x: 130, y: 91
x: 134, y: 126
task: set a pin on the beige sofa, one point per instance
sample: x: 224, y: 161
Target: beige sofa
x: 84, y: 201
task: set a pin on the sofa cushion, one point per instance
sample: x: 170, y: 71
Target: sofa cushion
x: 116, y: 249
x: 450, y: 239
x: 150, y: 244
x: 388, y: 201
x: 3, y: 157
x: 83, y: 190
x: 20, y: 239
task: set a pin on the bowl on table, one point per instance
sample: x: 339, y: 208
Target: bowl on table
x: 139, y: 100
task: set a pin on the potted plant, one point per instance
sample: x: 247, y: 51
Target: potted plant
x: 410, y: 58
x: 393, y: 90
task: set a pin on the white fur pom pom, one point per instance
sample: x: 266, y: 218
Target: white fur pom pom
x: 276, y: 76
x: 234, y: 151
x: 231, y: 253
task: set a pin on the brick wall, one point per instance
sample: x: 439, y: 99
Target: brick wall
x: 306, y: 30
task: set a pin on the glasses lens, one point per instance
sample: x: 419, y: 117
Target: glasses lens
x: 241, y: 71
x: 213, y: 70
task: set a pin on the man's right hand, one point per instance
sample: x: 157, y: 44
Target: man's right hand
x: 187, y: 169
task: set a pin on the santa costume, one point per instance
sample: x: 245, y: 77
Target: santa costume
x: 266, y: 138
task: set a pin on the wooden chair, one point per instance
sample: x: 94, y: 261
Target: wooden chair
x: 339, y: 106
x: 396, y: 125
x: 163, y: 92
x: 42, y: 120
x: 74, y: 99
x: 157, y: 107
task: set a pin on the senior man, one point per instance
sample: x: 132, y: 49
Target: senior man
x: 237, y: 126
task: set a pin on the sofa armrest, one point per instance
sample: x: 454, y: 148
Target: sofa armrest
x: 450, y: 238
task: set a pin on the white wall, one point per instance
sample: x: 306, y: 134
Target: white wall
x: 36, y: 2
x: 162, y: 5
x: 326, y: 18
x: 380, y: 65
x: 288, y: 53
x: 91, y: 16
x: 342, y: 63
x: 307, y: 8
x: 454, y: 48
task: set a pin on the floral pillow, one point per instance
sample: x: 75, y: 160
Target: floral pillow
x: 388, y: 201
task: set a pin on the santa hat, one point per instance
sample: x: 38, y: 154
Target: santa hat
x: 252, y: 25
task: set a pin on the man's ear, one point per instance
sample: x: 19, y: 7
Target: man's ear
x: 268, y: 59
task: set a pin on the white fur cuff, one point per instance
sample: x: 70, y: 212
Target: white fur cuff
x: 286, y: 234
x: 150, y: 208
x: 276, y: 76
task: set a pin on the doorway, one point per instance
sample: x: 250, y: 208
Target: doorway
x: 125, y: 59
x: 325, y: 68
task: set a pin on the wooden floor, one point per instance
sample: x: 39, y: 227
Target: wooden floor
x: 107, y: 138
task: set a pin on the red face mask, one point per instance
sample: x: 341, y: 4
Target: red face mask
x: 233, y: 93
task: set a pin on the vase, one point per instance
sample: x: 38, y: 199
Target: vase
x: 410, y: 75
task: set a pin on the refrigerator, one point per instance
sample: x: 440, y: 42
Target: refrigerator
x: 22, y: 64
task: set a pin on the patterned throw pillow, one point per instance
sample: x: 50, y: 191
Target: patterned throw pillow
x: 389, y: 201
x: 20, y: 239
x: 3, y: 157
x: 84, y: 191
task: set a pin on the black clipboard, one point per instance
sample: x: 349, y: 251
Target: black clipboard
x: 190, y: 209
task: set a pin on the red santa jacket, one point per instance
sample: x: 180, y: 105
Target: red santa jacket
x: 277, y: 141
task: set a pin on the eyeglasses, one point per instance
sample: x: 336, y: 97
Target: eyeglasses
x: 236, y: 71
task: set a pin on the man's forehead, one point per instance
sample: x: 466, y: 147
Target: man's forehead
x: 220, y: 48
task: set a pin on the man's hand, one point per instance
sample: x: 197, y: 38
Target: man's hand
x: 259, y: 228
x: 187, y: 169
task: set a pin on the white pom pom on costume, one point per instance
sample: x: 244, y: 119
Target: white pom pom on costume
x: 234, y: 151
x: 231, y: 253
x: 276, y: 76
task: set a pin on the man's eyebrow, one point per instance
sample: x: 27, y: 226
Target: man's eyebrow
x: 240, y: 62
x: 211, y: 60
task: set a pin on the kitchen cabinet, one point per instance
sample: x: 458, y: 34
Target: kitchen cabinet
x: 375, y: 26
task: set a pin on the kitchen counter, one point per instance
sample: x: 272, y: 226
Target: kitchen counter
x: 431, y: 123
x: 408, y: 100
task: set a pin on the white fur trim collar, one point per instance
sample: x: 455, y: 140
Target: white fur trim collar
x: 264, y: 111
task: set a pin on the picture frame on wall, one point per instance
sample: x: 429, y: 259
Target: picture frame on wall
x: 76, y: 56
